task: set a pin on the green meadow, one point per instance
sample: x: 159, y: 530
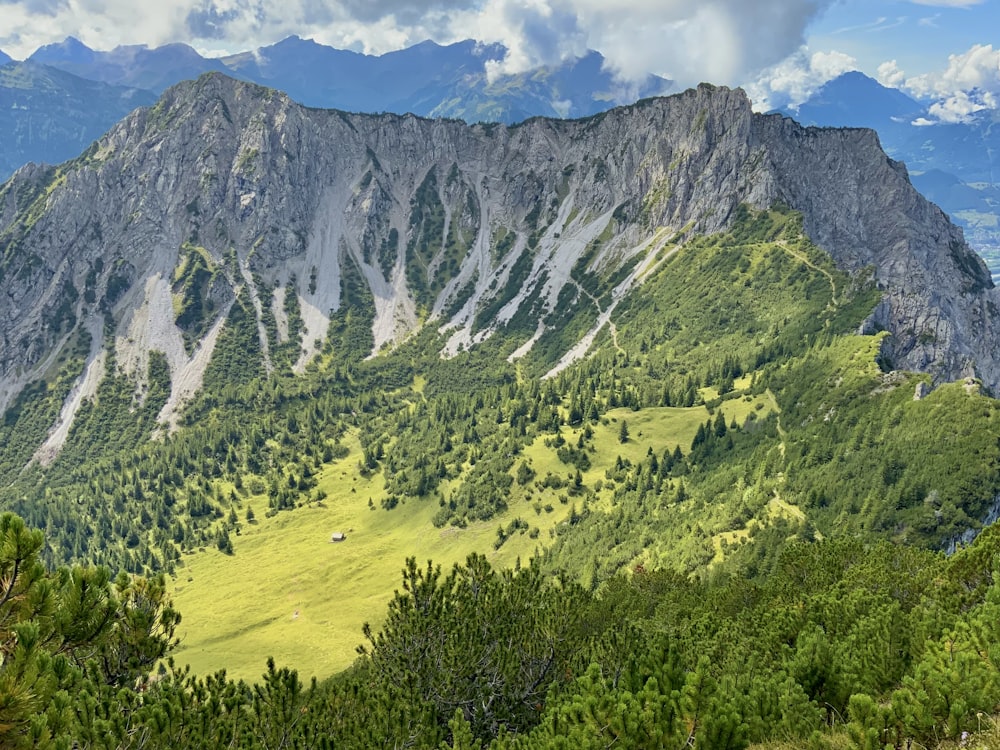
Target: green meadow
x: 289, y: 592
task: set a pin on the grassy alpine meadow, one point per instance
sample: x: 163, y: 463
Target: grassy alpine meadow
x: 290, y: 592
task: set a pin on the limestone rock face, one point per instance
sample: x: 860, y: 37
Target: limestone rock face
x: 434, y: 216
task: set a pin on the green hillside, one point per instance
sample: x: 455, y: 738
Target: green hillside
x: 717, y: 528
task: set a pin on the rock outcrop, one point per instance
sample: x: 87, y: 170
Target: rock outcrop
x: 460, y: 226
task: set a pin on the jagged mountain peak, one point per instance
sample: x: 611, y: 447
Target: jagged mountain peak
x: 69, y: 49
x: 137, y: 65
x: 229, y: 196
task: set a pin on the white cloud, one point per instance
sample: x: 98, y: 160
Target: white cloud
x: 882, y: 23
x: 723, y: 41
x: 890, y: 75
x: 960, y: 106
x: 969, y: 84
x: 796, y: 78
x: 948, y: 3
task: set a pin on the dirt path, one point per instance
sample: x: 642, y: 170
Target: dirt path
x: 648, y: 265
x: 783, y: 244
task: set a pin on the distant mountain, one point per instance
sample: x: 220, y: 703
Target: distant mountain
x: 946, y: 189
x: 855, y: 100
x: 136, y: 66
x: 48, y: 115
x: 579, y: 88
x: 320, y: 76
x: 957, y: 165
x: 4, y: 57
x: 969, y: 150
x: 429, y: 79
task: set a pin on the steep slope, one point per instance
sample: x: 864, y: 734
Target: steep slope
x: 964, y: 152
x: 49, y: 116
x: 226, y: 192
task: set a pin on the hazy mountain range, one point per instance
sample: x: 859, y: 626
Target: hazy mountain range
x: 427, y: 79
x: 49, y: 116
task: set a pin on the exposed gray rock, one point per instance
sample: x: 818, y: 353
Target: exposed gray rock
x: 294, y: 192
x: 968, y: 536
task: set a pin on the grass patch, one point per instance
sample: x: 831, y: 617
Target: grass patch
x: 287, y: 564
x: 303, y: 600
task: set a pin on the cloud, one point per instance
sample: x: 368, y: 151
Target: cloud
x: 962, y: 105
x: 969, y: 84
x: 723, y: 41
x: 534, y: 32
x: 796, y: 78
x: 948, y: 3
x: 890, y: 75
x: 39, y: 7
x: 882, y: 23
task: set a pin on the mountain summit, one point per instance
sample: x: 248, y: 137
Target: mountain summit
x: 137, y: 66
x: 229, y: 194
x: 855, y: 100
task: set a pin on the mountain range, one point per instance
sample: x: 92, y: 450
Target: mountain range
x: 272, y: 195
x: 49, y: 116
x: 136, y: 66
x: 427, y: 79
x: 685, y: 386
x: 951, y: 163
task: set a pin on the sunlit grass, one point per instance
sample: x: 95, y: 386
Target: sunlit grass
x: 291, y: 593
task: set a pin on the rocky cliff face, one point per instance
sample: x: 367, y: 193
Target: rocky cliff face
x: 457, y: 226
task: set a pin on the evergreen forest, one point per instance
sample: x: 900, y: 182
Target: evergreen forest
x: 732, y: 524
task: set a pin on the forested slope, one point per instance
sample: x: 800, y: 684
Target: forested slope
x: 664, y: 409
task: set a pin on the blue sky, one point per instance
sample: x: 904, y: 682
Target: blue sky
x: 920, y: 36
x: 942, y: 51
x: 945, y: 51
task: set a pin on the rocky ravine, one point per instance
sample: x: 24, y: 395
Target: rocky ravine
x: 437, y: 214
